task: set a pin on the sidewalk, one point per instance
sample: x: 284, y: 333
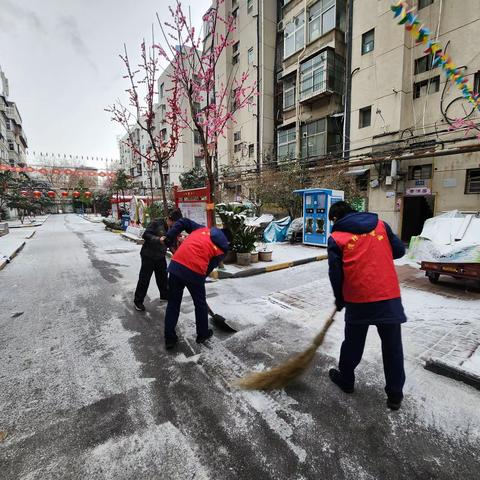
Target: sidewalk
x: 34, y: 222
x: 284, y: 256
x: 12, y: 243
x: 91, y: 218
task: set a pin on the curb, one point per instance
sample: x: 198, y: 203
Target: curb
x: 270, y: 268
x: 453, y: 372
x: 131, y: 238
x: 3, y: 263
x: 28, y: 237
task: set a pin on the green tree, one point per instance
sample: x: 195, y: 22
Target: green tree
x: 194, y: 178
x: 121, y: 184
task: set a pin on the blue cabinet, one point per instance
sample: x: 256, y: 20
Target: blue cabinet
x: 316, y: 205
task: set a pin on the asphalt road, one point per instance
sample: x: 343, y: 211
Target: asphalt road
x: 88, y: 391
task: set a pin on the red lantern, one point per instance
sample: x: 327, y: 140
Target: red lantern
x: 51, y: 194
x: 76, y: 194
x: 64, y: 194
x: 37, y: 194
x: 88, y: 194
x: 23, y: 193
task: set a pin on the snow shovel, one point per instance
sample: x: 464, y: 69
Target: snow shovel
x: 220, y: 321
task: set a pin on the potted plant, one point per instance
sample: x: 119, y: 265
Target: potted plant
x: 244, y: 244
x: 265, y: 253
x: 254, y: 257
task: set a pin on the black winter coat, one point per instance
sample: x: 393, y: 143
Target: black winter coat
x: 152, y: 248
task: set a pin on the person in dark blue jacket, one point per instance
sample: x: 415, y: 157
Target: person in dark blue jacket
x: 192, y: 262
x: 361, y: 251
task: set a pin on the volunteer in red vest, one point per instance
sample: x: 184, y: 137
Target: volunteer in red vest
x: 361, y: 251
x: 192, y: 262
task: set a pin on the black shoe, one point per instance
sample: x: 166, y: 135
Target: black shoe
x: 170, y: 343
x: 394, y: 402
x: 204, y: 339
x: 337, y: 379
x: 139, y: 306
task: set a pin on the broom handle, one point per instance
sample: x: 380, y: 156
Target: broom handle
x: 318, y: 340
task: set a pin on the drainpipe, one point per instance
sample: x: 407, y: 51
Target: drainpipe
x: 297, y: 86
x: 259, y: 86
x: 347, y: 112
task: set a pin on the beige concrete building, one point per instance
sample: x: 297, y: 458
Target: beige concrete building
x: 402, y: 106
x: 249, y: 140
x: 311, y: 52
x: 13, y: 141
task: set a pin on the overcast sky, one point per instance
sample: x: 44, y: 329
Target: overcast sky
x: 61, y: 59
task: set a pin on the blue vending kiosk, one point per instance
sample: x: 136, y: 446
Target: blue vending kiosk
x: 316, y: 205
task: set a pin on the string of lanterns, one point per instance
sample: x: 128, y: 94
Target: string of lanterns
x: 57, y: 171
x: 422, y: 34
x: 52, y: 194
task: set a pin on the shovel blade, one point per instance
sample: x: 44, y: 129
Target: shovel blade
x: 222, y: 324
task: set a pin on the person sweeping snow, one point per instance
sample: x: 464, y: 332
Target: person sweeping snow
x: 192, y: 262
x: 361, y: 250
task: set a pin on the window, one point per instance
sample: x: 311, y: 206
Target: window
x: 313, y: 75
x: 163, y: 111
x: 139, y: 168
x: 321, y: 18
x: 368, y: 41
x: 11, y: 146
x: 287, y: 140
x: 472, y: 184
x: 249, y: 6
x: 365, y: 117
x: 198, y: 162
x: 236, y: 53
x: 237, y: 147
x: 294, y: 36
x: 251, y: 150
x: 289, y: 93
x: 196, y: 137
x: 234, y: 99
x: 420, y: 172
x: 423, y: 64
x: 314, y: 139
x: 163, y: 135
x: 237, y: 136
x: 162, y: 87
x: 250, y: 56
x: 424, y: 3
x: 420, y: 89
x: 476, y: 82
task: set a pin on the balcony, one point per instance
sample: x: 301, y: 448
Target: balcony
x: 12, y: 113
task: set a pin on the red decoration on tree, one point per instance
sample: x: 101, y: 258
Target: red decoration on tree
x: 64, y: 194
x: 88, y: 194
x: 76, y: 194
x: 23, y: 193
x: 37, y: 194
x: 51, y: 194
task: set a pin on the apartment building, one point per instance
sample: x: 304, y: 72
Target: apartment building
x: 402, y: 106
x: 310, y: 71
x: 13, y: 141
x: 249, y: 140
x: 187, y: 156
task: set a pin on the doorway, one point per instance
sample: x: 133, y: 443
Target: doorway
x: 415, y: 211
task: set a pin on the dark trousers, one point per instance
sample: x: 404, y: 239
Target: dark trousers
x: 150, y: 265
x: 175, y: 294
x: 392, y: 353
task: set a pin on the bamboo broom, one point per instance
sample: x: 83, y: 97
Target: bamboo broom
x: 282, y: 375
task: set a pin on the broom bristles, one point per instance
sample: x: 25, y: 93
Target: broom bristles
x: 283, y: 374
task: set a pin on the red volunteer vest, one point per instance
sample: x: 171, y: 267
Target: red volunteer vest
x: 369, y: 272
x: 196, y: 251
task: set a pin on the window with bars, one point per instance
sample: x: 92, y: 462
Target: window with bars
x: 250, y: 56
x: 420, y: 172
x: 236, y: 53
x: 476, y: 82
x: 294, y: 35
x: 286, y: 144
x: 251, y: 150
x: 289, y: 90
x: 368, y: 41
x: 237, y: 147
x: 313, y: 75
x: 321, y: 18
x: 472, y: 183
x: 237, y: 136
x: 314, y: 139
